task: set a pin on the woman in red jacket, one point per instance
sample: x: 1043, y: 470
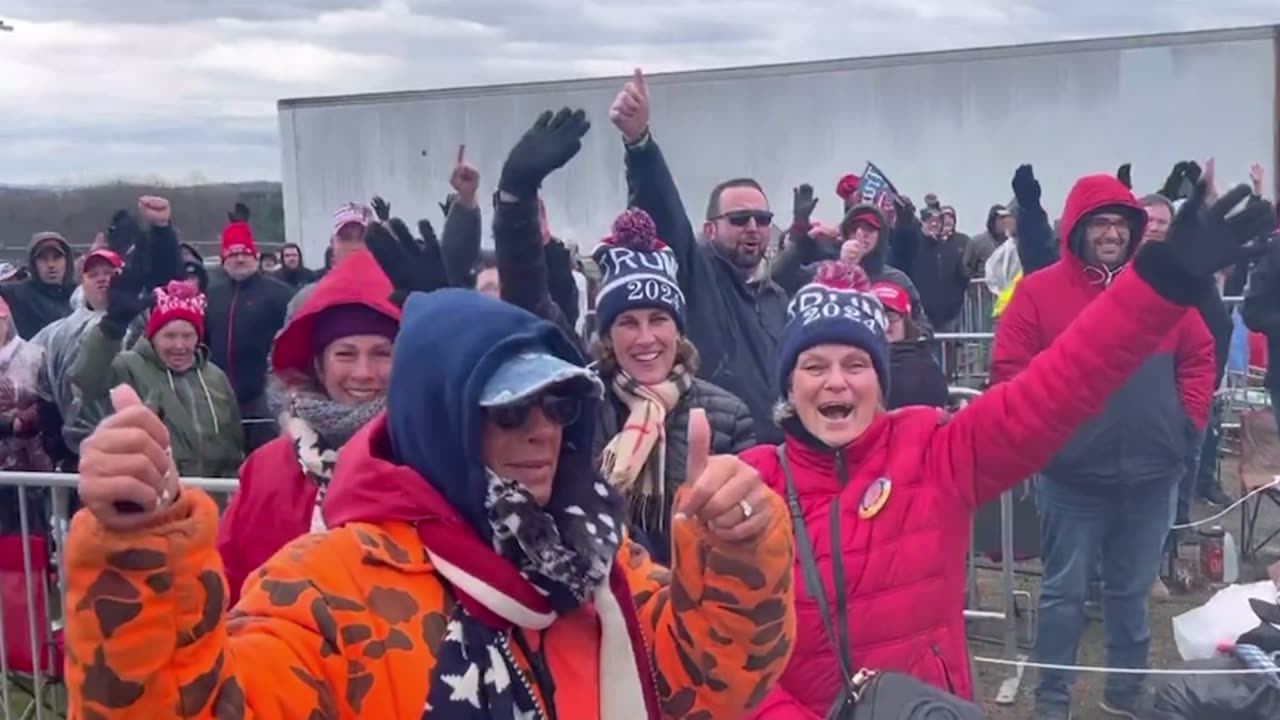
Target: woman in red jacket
x: 886, y: 497
x: 330, y: 365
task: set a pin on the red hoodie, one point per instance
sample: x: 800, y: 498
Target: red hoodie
x: 276, y: 498
x: 1150, y: 423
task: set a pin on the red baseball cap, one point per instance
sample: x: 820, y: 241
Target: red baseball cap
x: 892, y: 297
x: 103, y: 254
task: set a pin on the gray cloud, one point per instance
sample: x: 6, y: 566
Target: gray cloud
x: 176, y: 87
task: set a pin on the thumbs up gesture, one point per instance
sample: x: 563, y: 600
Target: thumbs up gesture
x: 721, y: 491
x: 127, y: 475
x: 630, y: 110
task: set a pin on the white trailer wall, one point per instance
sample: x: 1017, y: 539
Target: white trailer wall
x: 955, y: 123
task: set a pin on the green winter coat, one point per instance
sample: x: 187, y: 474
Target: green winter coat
x: 198, y: 406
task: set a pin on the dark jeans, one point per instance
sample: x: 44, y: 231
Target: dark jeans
x: 1127, y: 526
x: 1208, y: 476
x: 1189, y: 483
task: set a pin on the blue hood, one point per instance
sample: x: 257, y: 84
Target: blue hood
x: 450, y: 343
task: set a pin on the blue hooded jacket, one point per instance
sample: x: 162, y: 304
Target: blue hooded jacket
x: 451, y: 342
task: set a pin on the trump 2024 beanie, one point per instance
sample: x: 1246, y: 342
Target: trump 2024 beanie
x: 637, y: 271
x: 835, y: 309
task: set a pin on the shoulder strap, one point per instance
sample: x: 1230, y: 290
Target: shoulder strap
x: 809, y: 565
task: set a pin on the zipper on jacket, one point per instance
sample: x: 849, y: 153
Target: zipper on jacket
x: 842, y: 470
x: 946, y: 669
x: 231, y: 328
x: 524, y: 679
x: 538, y: 667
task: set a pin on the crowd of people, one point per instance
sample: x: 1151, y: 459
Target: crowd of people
x: 679, y: 476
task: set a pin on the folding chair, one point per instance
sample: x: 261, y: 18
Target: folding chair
x: 34, y: 666
x: 1259, y: 467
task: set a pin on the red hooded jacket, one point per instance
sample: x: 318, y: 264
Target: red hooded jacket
x: 276, y: 498
x: 1150, y: 424
x: 904, y: 565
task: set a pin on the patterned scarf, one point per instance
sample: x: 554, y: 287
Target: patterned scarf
x: 564, y: 557
x: 629, y: 462
x: 319, y: 427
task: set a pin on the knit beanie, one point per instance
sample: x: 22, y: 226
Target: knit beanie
x: 238, y: 238
x: 637, y: 271
x: 348, y: 320
x: 836, y: 308
x: 847, y: 189
x: 179, y: 300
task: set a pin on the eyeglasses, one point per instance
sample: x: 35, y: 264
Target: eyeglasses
x: 740, y: 218
x: 1100, y: 225
x: 562, y: 410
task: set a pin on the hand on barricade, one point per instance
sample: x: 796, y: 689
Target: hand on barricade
x: 127, y: 475
x: 722, y: 491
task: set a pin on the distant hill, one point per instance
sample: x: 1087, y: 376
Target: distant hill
x: 79, y: 213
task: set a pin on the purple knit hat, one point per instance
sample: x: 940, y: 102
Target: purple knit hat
x: 342, y: 321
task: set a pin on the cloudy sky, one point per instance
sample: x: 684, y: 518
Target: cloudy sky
x: 186, y: 89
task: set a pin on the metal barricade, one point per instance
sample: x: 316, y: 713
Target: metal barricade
x: 44, y: 500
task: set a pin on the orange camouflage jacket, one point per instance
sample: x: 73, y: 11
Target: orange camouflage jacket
x: 344, y: 624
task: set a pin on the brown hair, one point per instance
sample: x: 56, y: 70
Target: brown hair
x: 607, y: 362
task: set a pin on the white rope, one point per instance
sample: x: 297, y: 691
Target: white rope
x: 1233, y: 506
x: 1123, y: 671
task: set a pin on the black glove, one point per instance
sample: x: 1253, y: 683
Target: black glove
x: 545, y: 148
x: 239, y: 214
x: 802, y: 205
x: 428, y: 233
x: 1026, y: 189
x: 1182, y: 180
x: 127, y: 297
x: 162, y: 260
x: 1202, y: 241
x: 447, y: 205
x: 1125, y: 175
x: 122, y: 233
x: 381, y: 208
x: 409, y: 265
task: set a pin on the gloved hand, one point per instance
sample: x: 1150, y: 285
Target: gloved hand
x: 545, y: 148
x: 163, y: 257
x: 1202, y: 241
x: 1026, y: 189
x: 447, y: 205
x: 1125, y: 175
x: 122, y: 233
x: 409, y: 264
x: 1182, y: 180
x: 381, y: 208
x: 127, y: 297
x: 802, y: 205
x: 240, y: 213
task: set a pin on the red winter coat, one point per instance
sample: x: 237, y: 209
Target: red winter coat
x: 905, y: 566
x: 1150, y: 424
x: 275, y: 501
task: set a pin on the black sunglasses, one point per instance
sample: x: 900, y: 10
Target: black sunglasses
x: 562, y: 410
x: 740, y: 218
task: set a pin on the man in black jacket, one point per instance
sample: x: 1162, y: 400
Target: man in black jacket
x: 735, y: 316
x: 46, y: 295
x: 241, y: 322
x: 1262, y: 314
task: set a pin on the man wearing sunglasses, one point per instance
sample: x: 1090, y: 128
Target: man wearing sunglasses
x: 735, y: 314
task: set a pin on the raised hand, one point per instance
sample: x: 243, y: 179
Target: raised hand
x: 803, y: 203
x: 122, y: 233
x: 127, y: 296
x: 630, y: 110
x: 546, y: 147
x: 1204, y: 240
x: 381, y: 208
x: 405, y: 261
x: 465, y: 179
x: 153, y: 210
x: 239, y: 214
x: 721, y: 491
x: 1125, y: 175
x: 1256, y: 177
x: 1026, y: 188
x: 127, y: 474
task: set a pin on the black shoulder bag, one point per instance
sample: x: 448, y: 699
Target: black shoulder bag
x: 869, y: 694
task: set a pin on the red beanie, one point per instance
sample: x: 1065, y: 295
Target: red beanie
x: 180, y: 300
x: 238, y: 238
x: 847, y: 186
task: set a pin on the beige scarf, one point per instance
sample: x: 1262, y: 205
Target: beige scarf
x: 629, y: 462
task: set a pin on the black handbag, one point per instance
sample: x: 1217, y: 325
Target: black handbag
x: 869, y: 694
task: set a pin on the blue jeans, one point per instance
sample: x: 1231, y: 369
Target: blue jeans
x: 1127, y: 527
x: 1208, y: 476
x: 1189, y: 483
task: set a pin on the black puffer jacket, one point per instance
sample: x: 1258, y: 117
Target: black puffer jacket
x: 1261, y: 312
x: 914, y: 376
x: 732, y: 432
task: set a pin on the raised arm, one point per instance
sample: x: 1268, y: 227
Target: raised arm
x: 1037, y: 247
x: 1015, y: 428
x: 460, y: 239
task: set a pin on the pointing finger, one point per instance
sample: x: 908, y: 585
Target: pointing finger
x: 641, y: 84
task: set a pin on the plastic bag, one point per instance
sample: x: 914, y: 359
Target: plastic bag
x: 1223, y: 619
x: 1217, y: 697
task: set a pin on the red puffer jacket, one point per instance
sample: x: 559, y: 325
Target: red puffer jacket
x: 904, y: 565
